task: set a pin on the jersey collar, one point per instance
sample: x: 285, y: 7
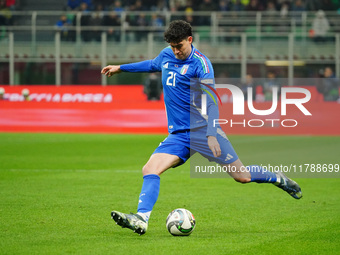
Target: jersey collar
x: 192, y: 52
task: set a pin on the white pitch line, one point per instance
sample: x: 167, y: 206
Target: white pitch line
x: 75, y: 170
x: 87, y: 171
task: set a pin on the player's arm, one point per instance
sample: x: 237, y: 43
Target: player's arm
x: 138, y: 67
x: 146, y: 66
x: 207, y: 81
x: 111, y: 70
x: 212, y: 111
x: 214, y: 146
x: 207, y: 86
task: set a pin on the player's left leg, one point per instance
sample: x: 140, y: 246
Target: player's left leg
x: 156, y: 165
x: 170, y: 153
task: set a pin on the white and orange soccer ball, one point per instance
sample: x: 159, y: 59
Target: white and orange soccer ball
x: 180, y: 222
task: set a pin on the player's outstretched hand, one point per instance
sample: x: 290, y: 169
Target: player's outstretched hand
x: 111, y: 70
x: 214, y: 146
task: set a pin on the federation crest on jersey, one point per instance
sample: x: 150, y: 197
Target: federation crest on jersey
x: 184, y: 69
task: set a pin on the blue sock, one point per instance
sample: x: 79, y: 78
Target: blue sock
x: 260, y: 175
x: 149, y: 194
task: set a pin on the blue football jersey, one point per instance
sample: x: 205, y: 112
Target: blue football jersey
x: 184, y: 81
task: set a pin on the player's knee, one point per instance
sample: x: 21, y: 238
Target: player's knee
x: 242, y: 179
x: 147, y: 169
x: 241, y: 176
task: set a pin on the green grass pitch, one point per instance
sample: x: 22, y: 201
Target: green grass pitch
x: 57, y: 192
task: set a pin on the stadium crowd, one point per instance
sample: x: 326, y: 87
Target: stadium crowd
x: 6, y: 6
x: 206, y: 5
x: 94, y: 14
x: 188, y: 6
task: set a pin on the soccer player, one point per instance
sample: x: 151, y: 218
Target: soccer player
x: 189, y: 130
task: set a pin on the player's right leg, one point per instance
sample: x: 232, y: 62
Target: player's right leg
x: 255, y: 173
x: 236, y: 169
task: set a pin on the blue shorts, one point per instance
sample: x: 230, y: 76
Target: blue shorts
x: 186, y: 143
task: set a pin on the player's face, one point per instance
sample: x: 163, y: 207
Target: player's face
x: 182, y: 49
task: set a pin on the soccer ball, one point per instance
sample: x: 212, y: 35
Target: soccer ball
x: 180, y: 222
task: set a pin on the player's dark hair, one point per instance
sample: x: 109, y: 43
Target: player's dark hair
x: 177, y: 31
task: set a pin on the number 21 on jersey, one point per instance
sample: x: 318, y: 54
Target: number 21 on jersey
x: 171, y: 81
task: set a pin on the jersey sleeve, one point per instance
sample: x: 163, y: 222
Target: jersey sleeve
x: 207, y: 83
x: 147, y: 66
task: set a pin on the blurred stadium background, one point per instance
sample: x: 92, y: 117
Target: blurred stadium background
x: 67, y: 42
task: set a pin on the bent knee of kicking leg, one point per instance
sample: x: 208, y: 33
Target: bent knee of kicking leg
x: 242, y: 179
x: 241, y: 176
